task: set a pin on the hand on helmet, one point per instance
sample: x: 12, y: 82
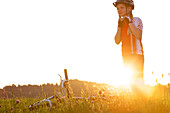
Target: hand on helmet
x: 127, y: 19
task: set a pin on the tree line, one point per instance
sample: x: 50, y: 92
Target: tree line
x: 45, y: 90
x: 79, y: 88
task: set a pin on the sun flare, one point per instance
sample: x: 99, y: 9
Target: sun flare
x: 123, y: 77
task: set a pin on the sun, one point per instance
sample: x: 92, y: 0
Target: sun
x: 123, y: 77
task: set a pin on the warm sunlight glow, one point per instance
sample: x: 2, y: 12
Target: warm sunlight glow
x: 123, y: 77
x: 156, y: 77
x: 41, y: 38
x: 127, y: 72
x: 151, y: 82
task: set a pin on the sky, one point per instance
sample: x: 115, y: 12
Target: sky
x: 41, y: 38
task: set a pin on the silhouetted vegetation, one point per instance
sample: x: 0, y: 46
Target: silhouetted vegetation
x: 17, y: 99
x: 33, y: 91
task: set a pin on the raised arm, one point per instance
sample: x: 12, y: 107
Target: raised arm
x: 118, y: 38
x: 135, y: 27
x: 135, y: 31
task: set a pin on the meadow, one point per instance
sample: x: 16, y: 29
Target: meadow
x: 123, y: 101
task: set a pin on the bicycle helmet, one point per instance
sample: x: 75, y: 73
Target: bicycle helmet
x: 127, y: 2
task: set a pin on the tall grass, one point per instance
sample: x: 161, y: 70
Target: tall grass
x: 122, y: 101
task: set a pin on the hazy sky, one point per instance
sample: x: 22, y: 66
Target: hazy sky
x: 40, y: 38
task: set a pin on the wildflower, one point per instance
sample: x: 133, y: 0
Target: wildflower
x: 17, y: 101
x: 12, y: 109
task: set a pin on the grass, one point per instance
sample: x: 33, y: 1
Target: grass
x: 122, y: 102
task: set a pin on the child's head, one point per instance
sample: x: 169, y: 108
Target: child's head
x: 124, y: 7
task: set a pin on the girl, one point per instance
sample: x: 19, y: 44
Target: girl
x: 129, y: 32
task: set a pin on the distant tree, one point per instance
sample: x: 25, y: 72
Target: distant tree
x: 50, y: 89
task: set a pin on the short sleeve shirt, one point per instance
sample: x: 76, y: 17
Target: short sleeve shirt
x: 138, y: 23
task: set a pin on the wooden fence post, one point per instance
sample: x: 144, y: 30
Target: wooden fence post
x: 67, y: 84
x: 66, y: 75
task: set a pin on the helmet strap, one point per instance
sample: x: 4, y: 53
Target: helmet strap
x: 126, y: 10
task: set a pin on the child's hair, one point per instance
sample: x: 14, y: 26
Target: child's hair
x: 131, y: 15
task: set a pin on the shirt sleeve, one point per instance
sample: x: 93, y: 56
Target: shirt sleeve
x: 138, y: 23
